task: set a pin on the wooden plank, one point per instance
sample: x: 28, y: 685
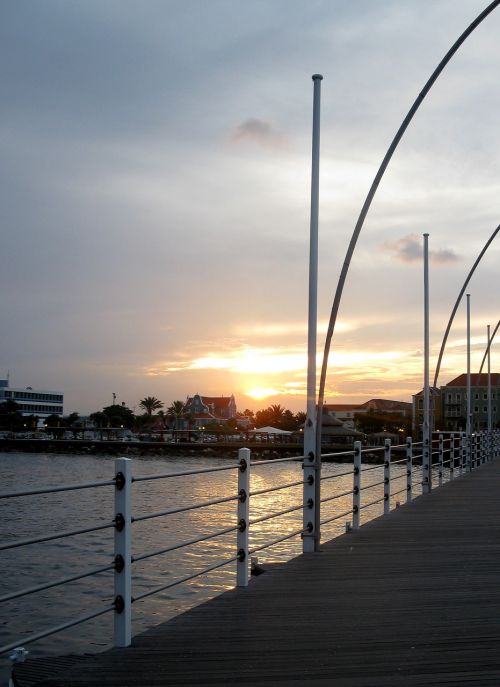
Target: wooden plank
x: 409, y: 599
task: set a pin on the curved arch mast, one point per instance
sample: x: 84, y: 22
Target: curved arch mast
x: 369, y: 199
x: 455, y: 307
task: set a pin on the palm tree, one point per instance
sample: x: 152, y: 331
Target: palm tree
x: 150, y: 403
x: 277, y: 413
x: 175, y: 412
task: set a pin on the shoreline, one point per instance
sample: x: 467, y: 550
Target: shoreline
x: 158, y: 449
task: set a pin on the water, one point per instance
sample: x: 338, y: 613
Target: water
x: 37, y: 515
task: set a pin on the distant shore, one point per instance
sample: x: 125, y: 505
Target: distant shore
x: 157, y: 448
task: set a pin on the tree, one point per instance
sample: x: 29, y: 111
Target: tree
x: 150, y: 403
x: 10, y: 416
x: 300, y: 418
x: 118, y: 415
x: 271, y: 416
x: 176, y: 412
x: 53, y: 425
x: 383, y: 422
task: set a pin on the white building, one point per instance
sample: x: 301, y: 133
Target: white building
x: 33, y: 402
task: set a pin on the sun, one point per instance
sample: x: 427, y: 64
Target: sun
x: 260, y: 392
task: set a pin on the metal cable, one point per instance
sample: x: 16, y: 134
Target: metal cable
x: 278, y: 541
x: 370, y: 486
x: 340, y: 474
x: 46, y: 633
x: 337, y: 496
x: 183, y: 579
x: 56, y: 583
x: 166, y: 475
x: 183, y: 509
x: 283, y: 486
x: 296, y: 459
x: 373, y: 467
x: 337, y: 517
x: 366, y: 505
x: 182, y: 545
x: 275, y: 515
x: 53, y: 490
x: 50, y: 537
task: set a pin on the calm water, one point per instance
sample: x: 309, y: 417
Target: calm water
x: 35, y: 564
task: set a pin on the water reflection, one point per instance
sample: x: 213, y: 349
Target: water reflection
x: 36, y: 564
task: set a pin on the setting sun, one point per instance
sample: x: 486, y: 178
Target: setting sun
x: 259, y: 393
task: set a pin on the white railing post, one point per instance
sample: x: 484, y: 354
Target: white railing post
x: 452, y: 458
x: 123, y: 552
x: 441, y: 460
x: 426, y: 466
x: 468, y: 458
x: 356, y: 488
x: 409, y: 469
x: 452, y: 455
x: 463, y: 452
x: 387, y: 477
x: 242, y: 558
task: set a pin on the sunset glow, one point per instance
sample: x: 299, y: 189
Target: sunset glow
x: 259, y: 393
x: 174, y: 240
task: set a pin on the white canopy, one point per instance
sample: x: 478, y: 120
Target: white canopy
x: 269, y: 430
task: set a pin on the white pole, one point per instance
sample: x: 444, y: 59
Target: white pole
x: 312, y: 462
x: 387, y: 477
x: 356, y: 491
x: 469, y: 399
x: 242, y: 565
x: 409, y: 469
x: 489, y: 384
x: 426, y: 477
x: 123, y: 553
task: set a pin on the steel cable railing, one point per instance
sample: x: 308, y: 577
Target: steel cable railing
x: 55, y: 490
x: 461, y: 453
x: 57, y: 535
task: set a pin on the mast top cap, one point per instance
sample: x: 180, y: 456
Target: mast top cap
x: 317, y: 76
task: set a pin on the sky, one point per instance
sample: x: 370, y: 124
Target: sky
x: 155, y: 195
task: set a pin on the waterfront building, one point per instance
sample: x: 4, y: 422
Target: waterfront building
x: 202, y: 410
x: 454, y: 400
x: 449, y: 404
x: 435, y: 411
x: 346, y: 413
x: 33, y: 401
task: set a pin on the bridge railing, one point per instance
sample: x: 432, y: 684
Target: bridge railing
x: 124, y: 560
x: 398, y: 473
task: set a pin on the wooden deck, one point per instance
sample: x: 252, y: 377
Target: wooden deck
x: 412, y: 598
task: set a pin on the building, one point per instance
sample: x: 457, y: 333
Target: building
x: 346, y: 413
x: 202, y: 410
x: 449, y: 404
x: 386, y: 407
x: 454, y: 402
x: 435, y: 408
x: 343, y: 412
x: 33, y: 402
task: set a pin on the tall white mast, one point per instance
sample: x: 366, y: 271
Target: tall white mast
x: 312, y: 462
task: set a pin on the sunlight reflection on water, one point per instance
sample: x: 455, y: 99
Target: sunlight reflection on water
x: 36, y: 564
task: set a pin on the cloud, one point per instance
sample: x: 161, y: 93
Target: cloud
x: 258, y: 131
x: 410, y: 248
x: 444, y: 256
